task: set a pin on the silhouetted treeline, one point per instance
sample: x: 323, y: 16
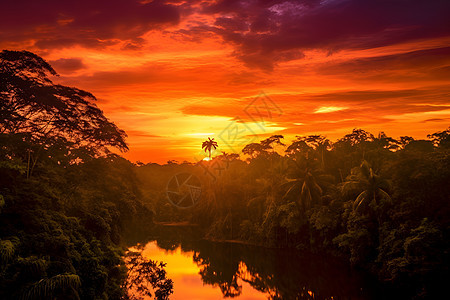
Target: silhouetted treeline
x: 65, y: 200
x: 380, y: 202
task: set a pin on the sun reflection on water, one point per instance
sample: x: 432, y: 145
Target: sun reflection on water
x: 188, y: 283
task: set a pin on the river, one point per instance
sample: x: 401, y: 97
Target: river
x: 203, y: 269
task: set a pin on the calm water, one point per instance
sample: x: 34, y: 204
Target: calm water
x: 210, y: 270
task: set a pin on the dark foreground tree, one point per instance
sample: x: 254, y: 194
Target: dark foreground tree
x: 61, y: 228
x: 52, y: 117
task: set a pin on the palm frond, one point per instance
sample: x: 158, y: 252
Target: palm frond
x: 384, y: 195
x: 305, y: 196
x: 47, y: 287
x: 293, y: 186
x: 6, y: 251
x: 33, y: 265
x: 351, y: 186
x: 365, y: 169
x: 362, y: 197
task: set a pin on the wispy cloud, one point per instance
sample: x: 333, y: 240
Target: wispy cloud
x: 173, y: 72
x: 328, y: 109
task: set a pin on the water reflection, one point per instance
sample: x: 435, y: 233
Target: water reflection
x: 188, y: 284
x: 210, y: 270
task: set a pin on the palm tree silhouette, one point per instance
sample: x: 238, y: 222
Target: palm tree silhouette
x: 370, y: 187
x: 208, y: 145
x: 310, y: 191
x: 306, y: 182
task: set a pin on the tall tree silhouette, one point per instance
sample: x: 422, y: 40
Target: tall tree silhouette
x: 370, y: 187
x: 306, y: 182
x: 441, y: 138
x: 208, y: 145
x: 265, y: 147
x: 51, y: 115
x: 318, y: 142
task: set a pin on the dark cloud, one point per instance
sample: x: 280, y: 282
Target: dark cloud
x: 55, y: 23
x: 435, y: 95
x: 434, y: 120
x: 126, y: 77
x: 425, y: 60
x: 357, y: 105
x: 230, y: 24
x: 66, y: 65
x: 261, y: 30
x: 141, y: 133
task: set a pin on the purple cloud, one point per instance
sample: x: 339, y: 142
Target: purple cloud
x: 262, y: 31
x: 67, y: 65
x: 54, y: 24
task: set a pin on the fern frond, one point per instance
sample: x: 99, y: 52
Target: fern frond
x: 6, y: 251
x: 46, y: 288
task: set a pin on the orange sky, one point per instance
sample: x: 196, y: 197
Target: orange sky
x: 171, y: 73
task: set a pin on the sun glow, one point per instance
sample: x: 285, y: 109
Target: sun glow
x: 201, y: 134
x: 174, y: 85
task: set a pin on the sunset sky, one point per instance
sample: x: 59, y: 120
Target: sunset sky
x: 172, y: 73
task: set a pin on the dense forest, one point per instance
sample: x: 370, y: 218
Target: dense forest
x: 66, y: 201
x: 68, y: 204
x: 381, y: 203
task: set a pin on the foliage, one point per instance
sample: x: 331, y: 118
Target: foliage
x: 62, y: 229
x: 379, y: 202
x: 66, y: 202
x: 209, y: 145
x: 49, y: 287
x: 67, y: 222
x: 144, y: 277
x: 38, y: 115
x: 371, y: 188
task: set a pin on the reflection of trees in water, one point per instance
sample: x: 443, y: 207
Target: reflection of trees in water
x: 287, y: 275
x: 281, y: 274
x: 145, y: 277
x: 219, y: 266
x: 168, y: 245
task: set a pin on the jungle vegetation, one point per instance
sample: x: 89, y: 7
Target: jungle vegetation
x: 68, y: 203
x: 381, y: 204
x: 65, y: 199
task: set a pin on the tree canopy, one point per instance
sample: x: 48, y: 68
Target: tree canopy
x: 51, y: 115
